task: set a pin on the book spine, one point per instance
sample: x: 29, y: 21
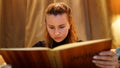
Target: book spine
x: 55, y: 59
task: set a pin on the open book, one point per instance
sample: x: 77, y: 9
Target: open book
x: 72, y: 55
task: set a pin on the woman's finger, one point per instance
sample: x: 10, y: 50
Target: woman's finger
x: 106, y: 58
x: 109, y: 53
x: 104, y: 63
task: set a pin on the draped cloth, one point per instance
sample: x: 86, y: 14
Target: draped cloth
x: 22, y: 21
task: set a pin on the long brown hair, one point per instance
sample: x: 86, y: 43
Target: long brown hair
x: 57, y: 9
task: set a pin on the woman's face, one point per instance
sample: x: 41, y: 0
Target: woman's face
x: 57, y: 26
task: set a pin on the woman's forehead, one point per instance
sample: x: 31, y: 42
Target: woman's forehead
x: 58, y: 19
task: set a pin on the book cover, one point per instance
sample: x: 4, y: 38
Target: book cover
x: 26, y: 57
x: 72, y: 55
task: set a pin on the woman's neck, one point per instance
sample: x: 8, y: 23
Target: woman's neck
x: 55, y: 44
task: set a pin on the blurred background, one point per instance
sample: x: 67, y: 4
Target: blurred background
x: 22, y: 21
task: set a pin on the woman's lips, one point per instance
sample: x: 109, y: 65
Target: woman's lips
x: 57, y: 37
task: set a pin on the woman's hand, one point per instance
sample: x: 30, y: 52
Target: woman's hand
x: 106, y: 59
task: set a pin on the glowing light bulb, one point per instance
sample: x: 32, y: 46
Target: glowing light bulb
x: 116, y: 31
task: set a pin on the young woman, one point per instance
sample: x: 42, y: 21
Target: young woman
x: 60, y: 30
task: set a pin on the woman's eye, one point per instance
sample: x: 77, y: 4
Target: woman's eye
x: 51, y: 27
x: 62, y: 26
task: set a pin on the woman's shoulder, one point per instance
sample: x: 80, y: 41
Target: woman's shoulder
x: 39, y: 44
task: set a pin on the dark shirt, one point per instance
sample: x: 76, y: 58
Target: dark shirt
x: 55, y: 44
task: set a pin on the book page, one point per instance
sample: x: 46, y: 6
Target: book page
x: 2, y: 62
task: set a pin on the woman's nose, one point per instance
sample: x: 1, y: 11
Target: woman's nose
x: 57, y: 32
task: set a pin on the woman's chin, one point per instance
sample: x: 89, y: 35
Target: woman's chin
x: 58, y: 41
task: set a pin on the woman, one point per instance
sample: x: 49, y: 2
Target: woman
x: 60, y: 30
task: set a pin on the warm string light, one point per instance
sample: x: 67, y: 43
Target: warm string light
x: 116, y: 31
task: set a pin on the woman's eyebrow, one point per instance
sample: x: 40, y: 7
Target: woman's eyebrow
x: 61, y: 24
x: 50, y: 25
